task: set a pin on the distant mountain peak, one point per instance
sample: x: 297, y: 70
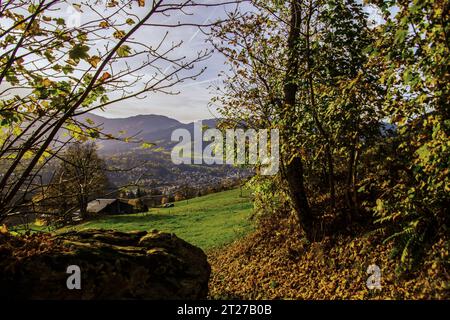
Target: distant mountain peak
x: 145, y: 127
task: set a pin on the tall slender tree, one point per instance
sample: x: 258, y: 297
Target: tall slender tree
x: 300, y: 66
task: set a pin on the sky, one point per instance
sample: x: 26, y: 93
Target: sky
x: 193, y: 100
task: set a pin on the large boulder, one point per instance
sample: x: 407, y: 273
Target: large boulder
x: 113, y: 265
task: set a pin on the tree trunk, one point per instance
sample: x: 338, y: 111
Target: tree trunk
x: 294, y: 170
x: 295, y: 179
x: 349, y: 183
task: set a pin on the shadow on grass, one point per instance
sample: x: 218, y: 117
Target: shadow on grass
x: 123, y: 219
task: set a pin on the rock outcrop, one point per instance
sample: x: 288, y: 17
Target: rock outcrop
x: 113, y: 265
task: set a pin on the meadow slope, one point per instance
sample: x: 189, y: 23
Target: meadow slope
x: 209, y: 221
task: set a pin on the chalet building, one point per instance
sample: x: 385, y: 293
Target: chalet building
x: 106, y: 207
x: 109, y: 206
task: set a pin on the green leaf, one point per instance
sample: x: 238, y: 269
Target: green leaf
x: 104, y: 99
x: 60, y: 21
x: 424, y: 153
x: 32, y: 8
x: 67, y: 69
x: 78, y: 52
x: 400, y: 35
x: 124, y: 51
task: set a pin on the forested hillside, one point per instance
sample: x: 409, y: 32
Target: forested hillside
x: 363, y: 112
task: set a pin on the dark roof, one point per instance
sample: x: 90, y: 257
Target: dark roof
x: 98, y: 205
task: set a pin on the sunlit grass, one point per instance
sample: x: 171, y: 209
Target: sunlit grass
x: 209, y: 221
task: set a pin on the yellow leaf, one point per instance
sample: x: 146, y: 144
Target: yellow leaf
x: 46, y: 82
x: 112, y: 4
x: 4, y: 229
x: 141, y: 3
x: 39, y: 222
x: 77, y: 6
x: 119, y: 34
x: 94, y: 60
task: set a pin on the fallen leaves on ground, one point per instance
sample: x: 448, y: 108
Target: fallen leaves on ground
x: 276, y: 262
x: 24, y: 246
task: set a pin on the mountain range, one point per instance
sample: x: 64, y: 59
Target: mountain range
x: 156, y: 129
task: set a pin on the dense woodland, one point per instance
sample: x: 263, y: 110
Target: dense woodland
x: 362, y: 107
x: 359, y: 93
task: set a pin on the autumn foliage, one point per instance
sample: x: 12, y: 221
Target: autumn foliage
x: 276, y: 263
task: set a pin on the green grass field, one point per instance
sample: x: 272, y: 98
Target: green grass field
x: 208, y: 222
